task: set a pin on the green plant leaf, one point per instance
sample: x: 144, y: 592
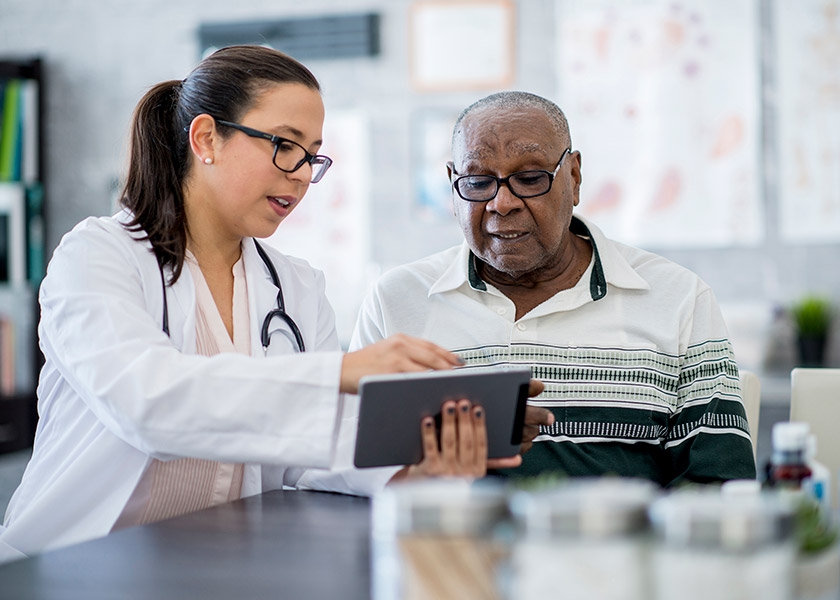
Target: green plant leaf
x: 812, y: 315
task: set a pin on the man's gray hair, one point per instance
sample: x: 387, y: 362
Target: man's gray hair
x: 508, y: 100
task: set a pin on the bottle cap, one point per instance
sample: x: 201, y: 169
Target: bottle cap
x: 790, y: 436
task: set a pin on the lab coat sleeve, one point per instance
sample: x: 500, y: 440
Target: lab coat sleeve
x: 108, y: 345
x: 344, y: 477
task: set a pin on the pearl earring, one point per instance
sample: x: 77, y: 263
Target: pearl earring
x: 208, y: 161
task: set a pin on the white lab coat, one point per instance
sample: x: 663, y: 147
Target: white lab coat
x: 117, y: 392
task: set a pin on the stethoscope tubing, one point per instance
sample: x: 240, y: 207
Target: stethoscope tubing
x: 280, y: 311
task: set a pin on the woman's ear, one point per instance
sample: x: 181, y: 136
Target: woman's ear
x: 203, y: 138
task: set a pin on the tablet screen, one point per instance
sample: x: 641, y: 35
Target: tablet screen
x: 391, y: 408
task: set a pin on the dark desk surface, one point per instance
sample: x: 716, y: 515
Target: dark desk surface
x: 281, y: 544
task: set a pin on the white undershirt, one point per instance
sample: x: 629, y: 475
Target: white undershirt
x: 171, y: 488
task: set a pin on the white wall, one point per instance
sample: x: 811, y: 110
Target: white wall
x: 102, y: 55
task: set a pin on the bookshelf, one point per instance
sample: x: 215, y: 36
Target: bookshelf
x: 22, y: 245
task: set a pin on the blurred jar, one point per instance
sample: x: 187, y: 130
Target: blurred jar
x: 585, y: 538
x: 436, y: 539
x: 722, y: 545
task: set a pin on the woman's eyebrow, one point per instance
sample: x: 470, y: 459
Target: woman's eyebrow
x: 297, y: 133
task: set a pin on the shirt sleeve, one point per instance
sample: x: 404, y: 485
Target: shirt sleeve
x: 370, y: 326
x: 708, y: 438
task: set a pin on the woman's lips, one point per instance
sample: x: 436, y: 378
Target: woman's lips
x: 282, y: 205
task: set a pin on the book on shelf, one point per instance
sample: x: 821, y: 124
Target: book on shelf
x: 19, y: 130
x: 7, y: 356
x: 35, y: 266
x: 13, y: 250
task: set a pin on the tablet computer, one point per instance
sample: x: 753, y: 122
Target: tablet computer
x: 391, y: 408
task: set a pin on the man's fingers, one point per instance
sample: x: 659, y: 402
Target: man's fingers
x: 537, y: 415
x: 535, y: 388
x: 504, y: 463
x: 528, y: 435
x: 534, y: 417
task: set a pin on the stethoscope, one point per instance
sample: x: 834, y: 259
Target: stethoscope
x: 280, y: 311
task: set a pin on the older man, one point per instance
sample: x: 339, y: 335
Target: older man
x: 632, y: 348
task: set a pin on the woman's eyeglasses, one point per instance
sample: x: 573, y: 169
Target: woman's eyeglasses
x: 289, y: 156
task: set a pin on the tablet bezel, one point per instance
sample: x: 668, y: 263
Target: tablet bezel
x: 391, y: 408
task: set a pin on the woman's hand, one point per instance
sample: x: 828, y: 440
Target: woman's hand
x: 396, y: 354
x: 463, y: 446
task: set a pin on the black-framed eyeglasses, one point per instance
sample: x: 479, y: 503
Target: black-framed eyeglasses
x: 522, y: 184
x: 289, y: 156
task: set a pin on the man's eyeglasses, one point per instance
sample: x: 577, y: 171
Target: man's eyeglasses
x: 289, y: 156
x: 522, y: 184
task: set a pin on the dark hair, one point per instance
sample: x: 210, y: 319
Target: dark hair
x: 224, y: 85
x: 513, y: 99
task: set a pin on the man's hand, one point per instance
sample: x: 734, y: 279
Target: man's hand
x: 396, y: 354
x: 534, y: 417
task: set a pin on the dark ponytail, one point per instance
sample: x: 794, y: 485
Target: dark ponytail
x: 224, y: 85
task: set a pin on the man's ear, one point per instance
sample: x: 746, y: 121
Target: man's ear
x: 204, y: 138
x: 450, y: 171
x: 577, y: 177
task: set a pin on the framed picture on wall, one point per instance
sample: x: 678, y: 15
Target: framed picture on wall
x: 461, y: 44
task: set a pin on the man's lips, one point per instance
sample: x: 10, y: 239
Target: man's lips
x: 508, y: 235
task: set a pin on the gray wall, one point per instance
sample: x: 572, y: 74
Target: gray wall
x: 101, y: 57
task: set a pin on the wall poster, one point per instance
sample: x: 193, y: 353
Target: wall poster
x: 807, y: 45
x: 662, y: 98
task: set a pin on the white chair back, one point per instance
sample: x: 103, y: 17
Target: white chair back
x: 751, y: 396
x: 815, y: 399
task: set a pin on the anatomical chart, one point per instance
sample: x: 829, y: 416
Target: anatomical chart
x: 662, y: 99
x: 807, y: 44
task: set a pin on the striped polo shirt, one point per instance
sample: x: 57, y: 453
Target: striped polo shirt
x: 636, y: 361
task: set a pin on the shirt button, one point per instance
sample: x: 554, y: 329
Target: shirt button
x: 501, y: 310
x: 521, y: 326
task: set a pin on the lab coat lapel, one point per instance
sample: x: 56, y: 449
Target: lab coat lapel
x: 181, y: 302
x: 262, y: 295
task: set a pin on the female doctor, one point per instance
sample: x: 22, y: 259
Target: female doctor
x: 175, y: 374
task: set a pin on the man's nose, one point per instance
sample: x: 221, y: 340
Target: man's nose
x: 504, y: 202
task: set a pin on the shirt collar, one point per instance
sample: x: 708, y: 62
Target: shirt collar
x: 616, y: 270
x: 610, y: 266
